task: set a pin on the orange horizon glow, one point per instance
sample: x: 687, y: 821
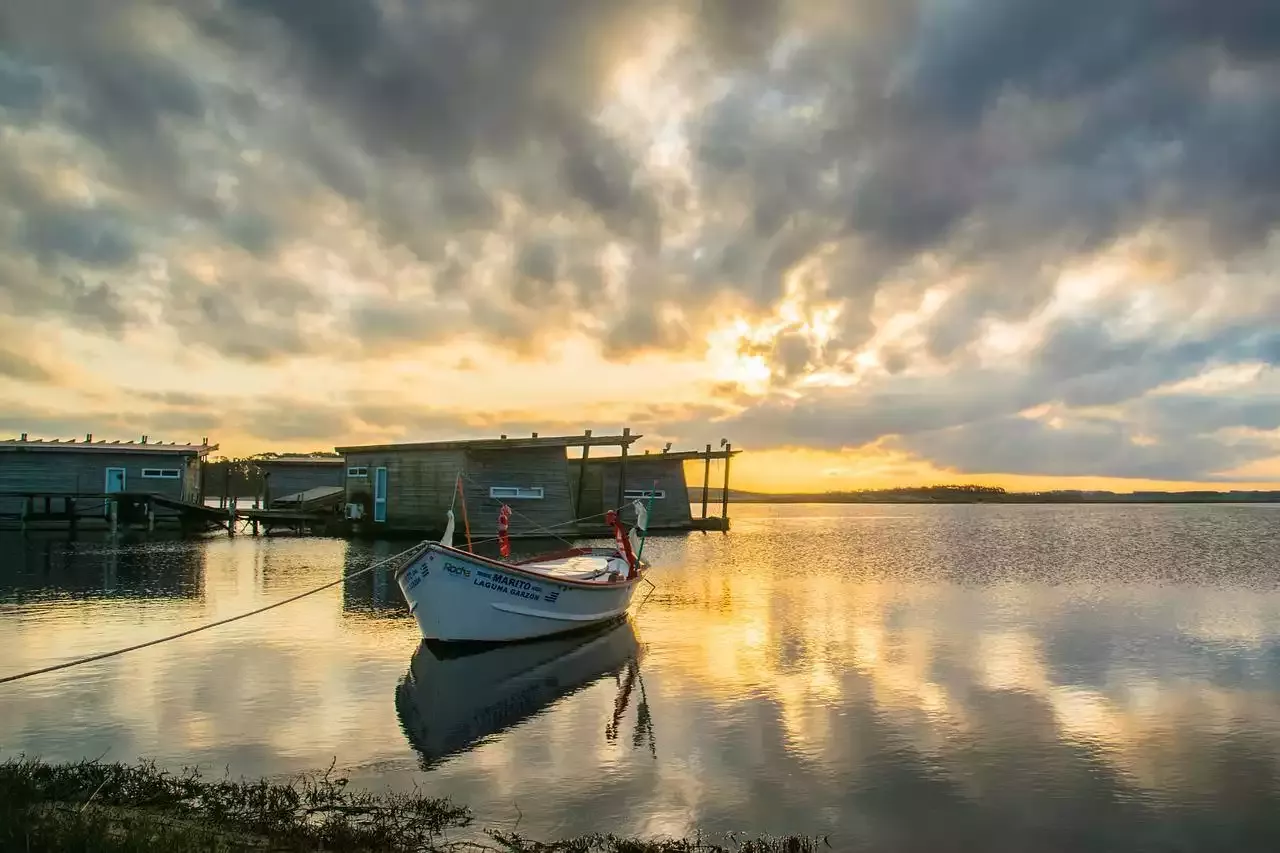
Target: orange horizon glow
x: 810, y: 471
x: 805, y: 471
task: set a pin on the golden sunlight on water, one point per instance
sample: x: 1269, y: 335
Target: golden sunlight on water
x: 1104, y: 675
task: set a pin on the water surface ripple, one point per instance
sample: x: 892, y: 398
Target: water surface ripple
x: 902, y: 677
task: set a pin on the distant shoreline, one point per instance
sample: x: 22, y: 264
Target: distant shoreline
x: 946, y: 495
x: 1030, y: 499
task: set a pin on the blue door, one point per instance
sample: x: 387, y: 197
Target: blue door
x: 380, y: 494
x: 115, y: 482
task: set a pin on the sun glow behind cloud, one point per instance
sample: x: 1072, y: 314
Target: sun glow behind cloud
x: 859, y: 241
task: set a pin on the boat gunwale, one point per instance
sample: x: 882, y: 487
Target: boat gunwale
x: 515, y: 568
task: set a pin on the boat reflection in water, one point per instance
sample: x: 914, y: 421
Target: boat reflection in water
x: 453, y: 698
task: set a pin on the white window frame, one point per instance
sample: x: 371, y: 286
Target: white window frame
x: 162, y: 473
x: 517, y: 493
x: 643, y: 494
x: 358, y: 472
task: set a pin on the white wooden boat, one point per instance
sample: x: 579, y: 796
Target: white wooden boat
x: 461, y: 596
x: 450, y: 700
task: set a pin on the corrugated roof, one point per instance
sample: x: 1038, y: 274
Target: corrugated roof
x: 522, y: 443
x: 102, y: 446
x: 299, y: 460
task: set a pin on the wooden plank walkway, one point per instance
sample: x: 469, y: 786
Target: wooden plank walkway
x: 109, y: 510
x: 300, y: 521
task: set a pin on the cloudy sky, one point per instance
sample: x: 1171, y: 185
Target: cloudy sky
x: 870, y: 241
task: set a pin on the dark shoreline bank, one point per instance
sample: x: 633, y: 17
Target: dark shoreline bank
x: 116, y: 807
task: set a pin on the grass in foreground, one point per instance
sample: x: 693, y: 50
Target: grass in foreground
x: 116, y: 807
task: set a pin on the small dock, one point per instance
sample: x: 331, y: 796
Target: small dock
x: 707, y: 522
x: 315, y: 510
x: 292, y: 520
x: 658, y: 481
x: 111, y: 511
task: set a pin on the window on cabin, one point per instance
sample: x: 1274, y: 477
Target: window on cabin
x: 643, y: 494
x: 358, y: 472
x: 161, y: 474
x: 518, y: 493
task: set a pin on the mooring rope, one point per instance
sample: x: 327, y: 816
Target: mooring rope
x: 115, y: 652
x: 104, y: 655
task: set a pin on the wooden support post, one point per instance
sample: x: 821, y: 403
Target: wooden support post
x: 114, y: 512
x: 48, y: 503
x: 151, y: 516
x: 706, y: 481
x: 26, y: 511
x: 71, y: 512
x: 582, y: 477
x: 622, y: 470
x: 724, y: 496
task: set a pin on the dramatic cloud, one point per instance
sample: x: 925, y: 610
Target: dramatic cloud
x: 885, y: 222
x: 15, y: 366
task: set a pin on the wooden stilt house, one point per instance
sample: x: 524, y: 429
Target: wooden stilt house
x: 410, y: 487
x: 657, y: 479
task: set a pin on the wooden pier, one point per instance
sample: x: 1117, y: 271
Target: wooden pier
x: 292, y: 520
x: 661, y: 475
x: 111, y: 511
x: 315, y: 510
x: 726, y: 453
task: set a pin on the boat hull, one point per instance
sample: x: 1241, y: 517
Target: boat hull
x: 460, y: 597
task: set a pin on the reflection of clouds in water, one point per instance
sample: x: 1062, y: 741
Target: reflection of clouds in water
x: 1093, y: 688
x: 283, y: 691
x: 944, y: 666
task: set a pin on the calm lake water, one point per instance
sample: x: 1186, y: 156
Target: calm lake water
x: 901, y: 677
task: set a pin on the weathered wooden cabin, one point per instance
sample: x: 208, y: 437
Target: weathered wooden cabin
x: 613, y: 481
x: 52, y: 475
x: 291, y: 474
x: 410, y: 487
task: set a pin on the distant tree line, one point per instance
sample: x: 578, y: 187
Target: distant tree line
x: 941, y: 491
x: 234, y: 477
x: 239, y: 476
x: 947, y: 492
x: 969, y: 493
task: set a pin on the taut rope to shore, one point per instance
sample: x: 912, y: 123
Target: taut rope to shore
x: 114, y: 652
